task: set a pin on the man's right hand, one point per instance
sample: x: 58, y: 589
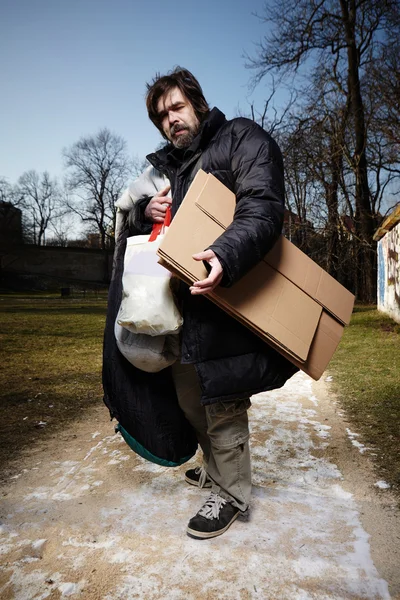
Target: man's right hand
x: 157, y: 207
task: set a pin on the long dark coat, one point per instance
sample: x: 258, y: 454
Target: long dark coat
x: 231, y: 362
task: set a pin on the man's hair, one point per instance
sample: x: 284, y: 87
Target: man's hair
x: 186, y: 83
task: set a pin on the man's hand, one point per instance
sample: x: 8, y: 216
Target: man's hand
x: 208, y: 285
x: 157, y: 207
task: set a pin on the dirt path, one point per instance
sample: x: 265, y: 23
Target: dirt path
x: 89, y: 519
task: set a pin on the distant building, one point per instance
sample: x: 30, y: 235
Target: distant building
x: 294, y: 228
x: 388, y: 238
x: 93, y: 240
x: 10, y: 224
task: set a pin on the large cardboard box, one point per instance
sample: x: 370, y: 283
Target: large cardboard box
x: 287, y: 299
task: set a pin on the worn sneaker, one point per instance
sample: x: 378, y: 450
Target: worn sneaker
x: 213, y: 519
x: 198, y: 476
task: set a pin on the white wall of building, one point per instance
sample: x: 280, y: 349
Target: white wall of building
x: 389, y: 273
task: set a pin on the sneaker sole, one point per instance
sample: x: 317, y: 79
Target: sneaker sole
x: 196, y: 483
x: 206, y: 535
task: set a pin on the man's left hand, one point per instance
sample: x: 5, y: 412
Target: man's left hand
x: 214, y: 278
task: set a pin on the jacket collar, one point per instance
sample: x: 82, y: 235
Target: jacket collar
x: 169, y: 156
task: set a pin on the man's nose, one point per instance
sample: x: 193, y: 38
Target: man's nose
x: 172, y: 117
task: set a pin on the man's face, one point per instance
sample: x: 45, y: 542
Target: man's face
x: 177, y: 118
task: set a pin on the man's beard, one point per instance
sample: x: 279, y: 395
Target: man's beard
x: 185, y: 139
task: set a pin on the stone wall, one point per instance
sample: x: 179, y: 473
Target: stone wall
x: 67, y: 264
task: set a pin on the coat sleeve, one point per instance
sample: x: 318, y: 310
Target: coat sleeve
x: 257, y: 169
x: 136, y: 197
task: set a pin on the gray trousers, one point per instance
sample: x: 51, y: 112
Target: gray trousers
x: 223, y: 434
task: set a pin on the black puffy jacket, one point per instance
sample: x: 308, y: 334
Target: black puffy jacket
x: 231, y: 362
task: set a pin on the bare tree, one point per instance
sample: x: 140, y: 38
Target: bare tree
x: 39, y: 196
x: 342, y: 40
x: 61, y: 228
x: 97, y: 171
x: 6, y: 192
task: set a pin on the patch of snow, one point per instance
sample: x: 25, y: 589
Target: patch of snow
x: 93, y: 449
x: 361, y: 447
x: 91, y: 544
x: 62, y: 496
x: 382, y: 485
x: 29, y: 585
x: 144, y: 465
x: 351, y: 434
x: 40, y: 494
x: 95, y: 434
x: 68, y: 589
x: 38, y: 544
x: 322, y: 430
x: 122, y: 557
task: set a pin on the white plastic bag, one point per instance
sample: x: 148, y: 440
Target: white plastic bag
x: 147, y: 306
x: 150, y: 354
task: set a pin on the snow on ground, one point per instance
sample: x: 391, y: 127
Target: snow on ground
x: 382, y: 485
x: 101, y: 523
x: 351, y: 435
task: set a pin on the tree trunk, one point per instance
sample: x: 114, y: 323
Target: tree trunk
x: 332, y: 202
x: 366, y: 263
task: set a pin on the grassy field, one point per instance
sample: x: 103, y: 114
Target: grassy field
x: 50, y: 372
x: 366, y: 370
x: 50, y: 366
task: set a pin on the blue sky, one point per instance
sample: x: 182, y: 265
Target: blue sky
x: 70, y: 67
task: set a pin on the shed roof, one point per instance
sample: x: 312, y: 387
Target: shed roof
x: 388, y: 224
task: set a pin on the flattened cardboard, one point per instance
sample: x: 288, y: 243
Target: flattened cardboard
x: 287, y: 299
x: 282, y: 304
x: 285, y: 257
x: 263, y: 300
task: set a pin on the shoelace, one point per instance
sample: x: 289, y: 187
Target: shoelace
x: 210, y: 510
x: 203, y: 476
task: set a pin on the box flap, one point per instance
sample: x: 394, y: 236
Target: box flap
x: 310, y: 277
x: 323, y: 347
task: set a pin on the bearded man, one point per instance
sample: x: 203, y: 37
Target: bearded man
x: 222, y: 363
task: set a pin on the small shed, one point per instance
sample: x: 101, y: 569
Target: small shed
x: 388, y: 238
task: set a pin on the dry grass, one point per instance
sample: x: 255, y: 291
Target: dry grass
x: 366, y: 371
x: 50, y: 372
x: 50, y: 366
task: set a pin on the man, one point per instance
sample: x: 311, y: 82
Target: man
x: 222, y: 363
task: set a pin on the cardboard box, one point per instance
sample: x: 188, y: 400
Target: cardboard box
x: 286, y: 299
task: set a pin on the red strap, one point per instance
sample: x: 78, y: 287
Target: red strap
x: 159, y: 227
